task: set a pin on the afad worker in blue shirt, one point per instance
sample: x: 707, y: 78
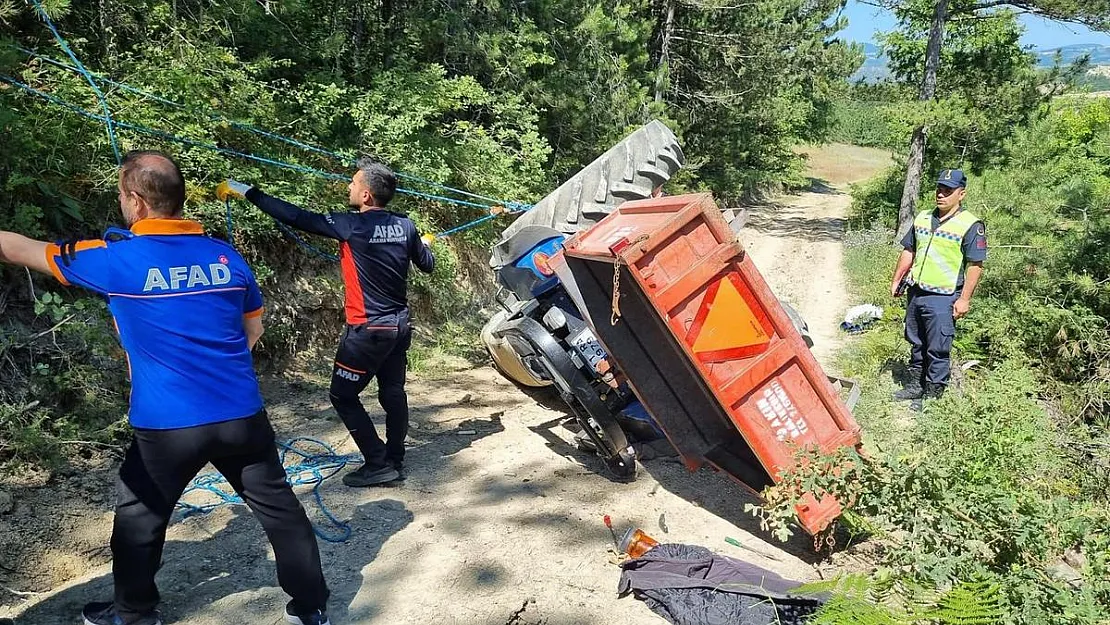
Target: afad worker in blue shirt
x: 188, y: 312
x: 941, y: 263
x: 376, y: 248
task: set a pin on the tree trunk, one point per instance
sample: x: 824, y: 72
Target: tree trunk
x: 394, y: 29
x: 107, y: 40
x: 664, y: 53
x: 916, y: 161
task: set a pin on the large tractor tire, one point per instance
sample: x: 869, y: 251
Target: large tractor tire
x: 630, y: 170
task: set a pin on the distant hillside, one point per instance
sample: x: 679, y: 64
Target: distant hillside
x: 875, y: 67
x: 1100, y: 55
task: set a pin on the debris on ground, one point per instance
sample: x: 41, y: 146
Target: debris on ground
x: 736, y: 543
x: 860, y: 318
x: 691, y: 585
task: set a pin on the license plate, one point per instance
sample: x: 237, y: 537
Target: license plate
x: 589, y: 347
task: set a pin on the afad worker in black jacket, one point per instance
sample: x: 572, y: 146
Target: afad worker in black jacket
x: 376, y: 247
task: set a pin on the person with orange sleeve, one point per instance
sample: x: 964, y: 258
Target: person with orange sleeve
x: 188, y: 311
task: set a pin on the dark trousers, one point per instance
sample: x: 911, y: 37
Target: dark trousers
x: 930, y: 329
x: 366, y: 352
x: 159, y: 466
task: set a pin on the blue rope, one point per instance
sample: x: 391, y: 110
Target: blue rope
x: 512, y: 206
x: 305, y: 245
x: 255, y: 130
x: 311, y: 249
x: 519, y: 208
x: 302, y: 468
x: 170, y: 137
x: 88, y: 78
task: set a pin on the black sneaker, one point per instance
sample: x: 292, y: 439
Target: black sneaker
x: 316, y: 617
x: 104, y: 613
x: 367, y: 475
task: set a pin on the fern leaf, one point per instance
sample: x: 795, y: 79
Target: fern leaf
x: 848, y: 610
x: 970, y: 603
x: 856, y: 585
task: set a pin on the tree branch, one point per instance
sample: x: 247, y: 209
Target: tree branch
x: 990, y: 4
x: 1093, y: 21
x: 707, y: 34
x: 31, y: 284
x: 699, y: 5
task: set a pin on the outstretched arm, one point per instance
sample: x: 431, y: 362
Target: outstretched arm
x: 80, y: 263
x: 16, y: 249
x: 293, y: 215
x: 285, y: 212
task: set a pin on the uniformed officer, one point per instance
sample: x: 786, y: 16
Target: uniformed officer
x: 188, y: 313
x: 376, y: 247
x: 941, y: 263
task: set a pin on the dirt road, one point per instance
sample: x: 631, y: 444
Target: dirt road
x: 797, y: 242
x: 797, y: 246
x: 498, y: 522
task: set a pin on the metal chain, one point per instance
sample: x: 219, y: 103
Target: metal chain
x: 826, y: 538
x: 616, y: 291
x: 617, y: 261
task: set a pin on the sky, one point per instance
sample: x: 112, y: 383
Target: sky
x: 864, y: 20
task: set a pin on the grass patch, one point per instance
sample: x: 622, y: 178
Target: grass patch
x: 842, y: 163
x: 452, y: 340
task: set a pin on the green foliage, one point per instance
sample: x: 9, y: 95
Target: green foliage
x: 1005, y: 482
x: 875, y: 202
x: 1092, y: 82
x: 865, y: 115
x: 859, y: 600
x: 975, y: 490
x: 987, y: 83
x: 63, y: 385
x: 975, y: 603
x: 864, y: 122
x: 747, y: 83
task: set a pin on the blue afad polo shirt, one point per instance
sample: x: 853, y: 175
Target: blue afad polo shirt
x: 179, y: 299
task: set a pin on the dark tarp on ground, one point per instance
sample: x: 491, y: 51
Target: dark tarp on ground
x: 690, y: 585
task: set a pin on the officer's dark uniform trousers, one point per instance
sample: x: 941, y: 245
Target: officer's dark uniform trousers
x: 930, y: 328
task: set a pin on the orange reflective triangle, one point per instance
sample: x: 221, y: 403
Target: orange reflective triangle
x: 730, y: 323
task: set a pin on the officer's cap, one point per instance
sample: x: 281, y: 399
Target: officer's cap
x: 952, y: 178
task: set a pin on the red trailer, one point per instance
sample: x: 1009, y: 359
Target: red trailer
x: 704, y: 343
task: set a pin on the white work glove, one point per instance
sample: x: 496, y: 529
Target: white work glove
x: 428, y: 239
x: 232, y: 189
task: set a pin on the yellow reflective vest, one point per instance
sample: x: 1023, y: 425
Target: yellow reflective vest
x: 939, y: 254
